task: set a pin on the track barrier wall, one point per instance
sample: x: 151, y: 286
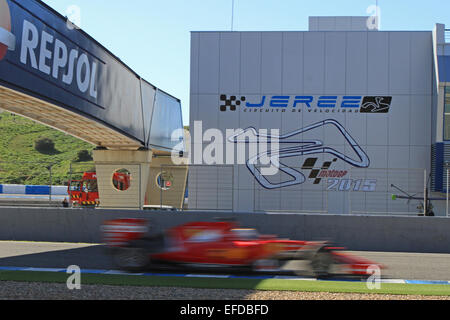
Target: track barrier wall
x: 356, y: 232
x: 32, y: 190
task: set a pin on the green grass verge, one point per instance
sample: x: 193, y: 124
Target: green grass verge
x: 218, y: 283
x: 20, y: 163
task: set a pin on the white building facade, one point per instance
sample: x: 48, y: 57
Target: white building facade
x: 358, y: 115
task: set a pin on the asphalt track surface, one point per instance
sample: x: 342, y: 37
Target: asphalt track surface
x: 408, y: 266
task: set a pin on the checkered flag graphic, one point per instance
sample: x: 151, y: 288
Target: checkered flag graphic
x: 231, y: 102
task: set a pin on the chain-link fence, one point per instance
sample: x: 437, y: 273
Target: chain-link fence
x: 42, y: 173
x: 208, y: 188
x: 30, y: 173
x: 310, y: 190
x: 291, y: 189
x: 233, y: 188
x: 388, y: 191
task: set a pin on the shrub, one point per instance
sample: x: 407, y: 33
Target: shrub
x: 44, y: 145
x: 83, y: 156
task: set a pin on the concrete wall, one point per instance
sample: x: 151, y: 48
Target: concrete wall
x: 371, y: 233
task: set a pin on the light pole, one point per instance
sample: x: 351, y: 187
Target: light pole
x: 447, y: 168
x: 49, y: 168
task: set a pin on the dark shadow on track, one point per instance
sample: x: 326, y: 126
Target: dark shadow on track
x: 90, y: 257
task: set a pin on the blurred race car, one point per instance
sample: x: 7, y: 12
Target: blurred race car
x: 223, y: 244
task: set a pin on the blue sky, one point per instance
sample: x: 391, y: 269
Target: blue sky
x: 153, y: 37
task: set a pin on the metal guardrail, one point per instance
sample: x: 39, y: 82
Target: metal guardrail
x: 24, y: 202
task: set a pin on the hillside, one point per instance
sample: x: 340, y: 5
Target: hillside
x: 20, y: 163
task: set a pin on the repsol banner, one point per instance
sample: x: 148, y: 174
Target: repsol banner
x: 44, y: 57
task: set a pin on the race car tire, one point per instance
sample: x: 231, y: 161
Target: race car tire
x: 131, y: 259
x: 322, y: 263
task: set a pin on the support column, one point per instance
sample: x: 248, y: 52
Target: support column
x: 167, y: 182
x: 121, y: 194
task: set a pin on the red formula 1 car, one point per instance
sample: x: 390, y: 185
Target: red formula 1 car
x: 224, y: 244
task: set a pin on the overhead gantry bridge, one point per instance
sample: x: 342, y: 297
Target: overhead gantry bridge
x: 58, y: 75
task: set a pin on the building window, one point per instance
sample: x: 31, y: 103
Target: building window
x: 447, y: 114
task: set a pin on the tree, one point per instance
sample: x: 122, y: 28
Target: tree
x: 83, y: 156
